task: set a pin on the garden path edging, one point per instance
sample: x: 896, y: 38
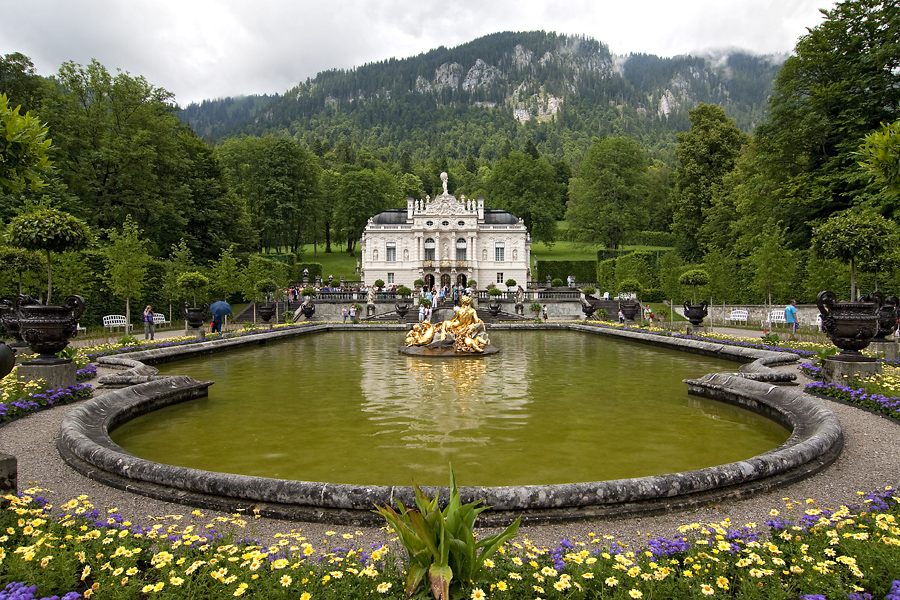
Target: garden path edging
x: 815, y: 442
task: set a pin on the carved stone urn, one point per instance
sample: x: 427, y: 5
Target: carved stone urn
x: 9, y: 320
x: 887, y: 317
x: 494, y: 308
x: 308, y: 309
x: 266, y: 311
x: 48, y: 329
x: 849, y: 325
x: 589, y: 309
x: 402, y: 308
x: 194, y: 315
x: 629, y: 310
x: 695, y: 313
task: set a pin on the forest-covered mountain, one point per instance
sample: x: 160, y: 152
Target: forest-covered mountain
x: 558, y: 91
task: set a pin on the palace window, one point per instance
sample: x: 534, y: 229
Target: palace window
x: 460, y: 249
x: 429, y: 249
x: 499, y: 250
x: 499, y: 277
x: 390, y: 253
x: 390, y: 278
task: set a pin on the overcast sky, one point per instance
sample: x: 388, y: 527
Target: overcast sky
x: 200, y: 49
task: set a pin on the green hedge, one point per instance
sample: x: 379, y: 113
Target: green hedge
x: 314, y: 269
x: 582, y: 270
x: 606, y: 275
x: 652, y: 238
x: 653, y: 295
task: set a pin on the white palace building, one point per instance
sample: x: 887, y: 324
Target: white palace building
x: 445, y: 241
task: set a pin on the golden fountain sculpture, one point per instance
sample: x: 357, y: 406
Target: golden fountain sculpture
x: 465, y: 330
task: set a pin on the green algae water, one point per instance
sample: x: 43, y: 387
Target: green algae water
x: 552, y: 407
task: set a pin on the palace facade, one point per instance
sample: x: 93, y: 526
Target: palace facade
x: 445, y: 241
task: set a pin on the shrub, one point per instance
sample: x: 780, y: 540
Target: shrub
x: 379, y: 283
x: 589, y: 291
x: 653, y: 295
x: 308, y: 291
x: 631, y: 286
x: 557, y: 282
x: 495, y: 292
x: 510, y: 283
x: 404, y: 291
x: 694, y: 277
x: 535, y: 307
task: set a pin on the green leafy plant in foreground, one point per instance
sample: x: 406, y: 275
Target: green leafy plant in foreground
x: 442, y: 545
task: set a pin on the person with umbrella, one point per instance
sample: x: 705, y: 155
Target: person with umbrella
x: 219, y: 309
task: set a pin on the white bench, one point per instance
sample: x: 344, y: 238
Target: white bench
x: 113, y: 321
x: 739, y: 316
x: 776, y: 317
x: 159, y: 319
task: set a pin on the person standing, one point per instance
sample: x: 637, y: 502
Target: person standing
x: 790, y: 315
x: 148, y: 323
x: 352, y: 312
x: 344, y: 313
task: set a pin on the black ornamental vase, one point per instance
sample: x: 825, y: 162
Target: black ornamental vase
x: 494, y: 308
x: 266, y: 312
x: 308, y: 309
x: 402, y: 308
x: 588, y: 309
x: 48, y: 329
x: 887, y: 317
x: 849, y: 325
x: 9, y: 319
x: 629, y: 310
x: 695, y: 313
x: 194, y: 315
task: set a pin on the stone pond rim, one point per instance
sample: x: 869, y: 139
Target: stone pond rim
x: 815, y: 442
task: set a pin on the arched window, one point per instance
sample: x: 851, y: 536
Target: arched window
x: 429, y: 249
x: 460, y: 249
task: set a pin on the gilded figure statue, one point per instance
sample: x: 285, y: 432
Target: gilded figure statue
x: 421, y: 334
x: 465, y: 329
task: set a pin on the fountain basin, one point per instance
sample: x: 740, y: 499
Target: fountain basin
x: 815, y: 441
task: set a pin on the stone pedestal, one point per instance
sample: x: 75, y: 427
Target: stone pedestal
x: 9, y: 473
x: 887, y: 349
x: 841, y: 371
x: 200, y: 332
x: 55, y: 375
x: 370, y: 310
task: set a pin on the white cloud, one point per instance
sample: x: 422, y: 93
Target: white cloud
x: 205, y: 49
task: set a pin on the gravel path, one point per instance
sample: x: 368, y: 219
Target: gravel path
x: 870, y: 460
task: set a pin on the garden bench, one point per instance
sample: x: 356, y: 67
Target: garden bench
x: 776, y: 317
x: 739, y: 316
x: 159, y: 319
x: 113, y: 321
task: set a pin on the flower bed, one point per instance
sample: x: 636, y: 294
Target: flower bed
x: 19, y: 399
x: 95, y: 352
x: 807, y: 552
x: 802, y: 349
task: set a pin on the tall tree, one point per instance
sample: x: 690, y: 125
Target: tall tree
x: 608, y: 198
x: 24, y: 148
x: 526, y: 187
x: 119, y: 150
x: 841, y: 83
x: 706, y: 154
x: 126, y: 263
x: 362, y: 195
